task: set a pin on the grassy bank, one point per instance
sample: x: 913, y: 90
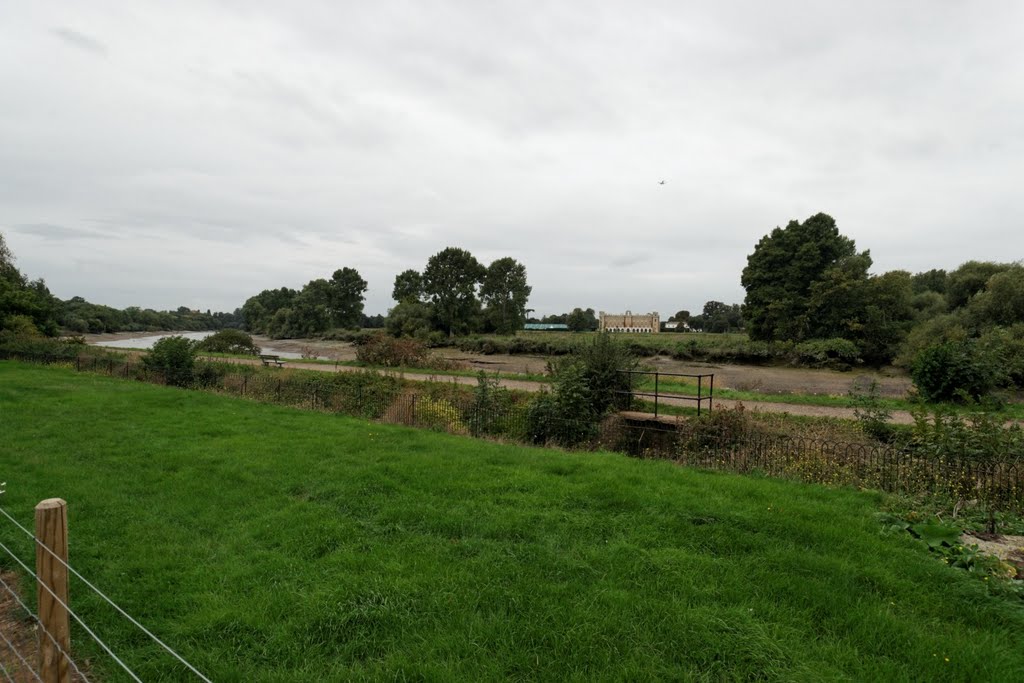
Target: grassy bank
x: 266, y: 543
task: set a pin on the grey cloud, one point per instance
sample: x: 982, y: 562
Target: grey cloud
x: 276, y: 142
x: 81, y: 41
x: 57, y: 233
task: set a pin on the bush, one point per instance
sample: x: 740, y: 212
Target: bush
x: 605, y: 366
x: 952, y: 370
x: 490, y: 407
x: 174, y: 358
x: 381, y: 349
x: 566, y: 416
x: 229, y: 341
x: 835, y: 352
x: 44, y: 346
x: 1006, y: 345
x: 869, y: 411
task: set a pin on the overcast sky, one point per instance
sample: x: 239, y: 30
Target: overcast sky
x: 194, y: 153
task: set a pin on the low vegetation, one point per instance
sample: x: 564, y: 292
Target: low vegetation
x: 266, y: 543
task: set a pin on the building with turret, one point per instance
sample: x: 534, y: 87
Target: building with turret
x: 628, y: 322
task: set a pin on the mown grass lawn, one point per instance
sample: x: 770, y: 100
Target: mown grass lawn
x: 271, y: 544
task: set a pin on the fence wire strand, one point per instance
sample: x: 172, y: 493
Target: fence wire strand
x: 81, y: 622
x: 110, y: 602
x: 28, y: 610
x: 4, y: 670
x: 21, y: 658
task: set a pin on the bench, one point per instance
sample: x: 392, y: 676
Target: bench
x: 271, y: 360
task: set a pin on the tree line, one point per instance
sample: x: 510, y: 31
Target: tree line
x: 27, y: 307
x: 807, y: 281
x: 454, y: 294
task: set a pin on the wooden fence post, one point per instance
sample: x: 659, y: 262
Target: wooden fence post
x: 52, y: 531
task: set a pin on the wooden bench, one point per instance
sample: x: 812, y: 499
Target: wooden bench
x: 271, y: 360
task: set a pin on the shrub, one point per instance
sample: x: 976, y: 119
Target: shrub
x: 381, y: 349
x: 439, y: 415
x: 868, y: 409
x: 605, y: 367
x: 1007, y: 346
x: 174, y: 358
x: 491, y: 403
x: 951, y: 370
x: 715, y: 430
x: 834, y: 352
x: 229, y: 341
x: 43, y: 346
x: 566, y: 416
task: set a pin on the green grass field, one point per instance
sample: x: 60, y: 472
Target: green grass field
x: 271, y: 544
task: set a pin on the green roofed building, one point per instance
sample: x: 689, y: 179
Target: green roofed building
x: 551, y: 327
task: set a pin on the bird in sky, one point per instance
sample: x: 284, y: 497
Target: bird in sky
x: 661, y: 182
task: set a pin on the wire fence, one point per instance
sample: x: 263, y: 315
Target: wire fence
x: 996, y: 480
x: 26, y: 660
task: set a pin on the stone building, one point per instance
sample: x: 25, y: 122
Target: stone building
x: 627, y: 322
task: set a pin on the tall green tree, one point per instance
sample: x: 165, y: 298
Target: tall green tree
x: 450, y: 281
x: 505, y: 293
x: 258, y: 311
x: 408, y: 287
x: 781, y: 271
x: 345, y: 297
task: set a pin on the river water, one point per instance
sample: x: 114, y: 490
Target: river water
x: 148, y: 341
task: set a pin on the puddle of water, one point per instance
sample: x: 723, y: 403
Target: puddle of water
x: 148, y: 341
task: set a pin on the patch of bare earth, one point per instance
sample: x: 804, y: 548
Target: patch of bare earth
x: 1009, y: 549
x: 19, y: 651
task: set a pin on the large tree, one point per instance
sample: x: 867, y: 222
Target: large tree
x: 783, y: 268
x: 408, y: 287
x: 346, y: 290
x: 259, y: 310
x: 504, y: 292
x: 450, y: 281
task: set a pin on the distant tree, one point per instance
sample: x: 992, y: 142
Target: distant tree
x: 886, y: 317
x: 1001, y: 302
x: 6, y: 259
x: 580, y: 320
x: 229, y: 341
x: 504, y: 293
x: 720, y: 317
x: 345, y: 295
x: 258, y: 311
x: 450, y: 281
x: 408, y: 286
x: 930, y: 281
x: 969, y: 279
x: 928, y: 304
x: 681, y: 316
x: 781, y: 270
x: 24, y: 300
x: 410, y: 319
x: 836, y: 299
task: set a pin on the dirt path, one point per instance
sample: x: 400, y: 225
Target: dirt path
x: 898, y: 416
